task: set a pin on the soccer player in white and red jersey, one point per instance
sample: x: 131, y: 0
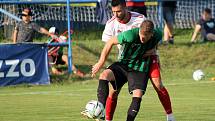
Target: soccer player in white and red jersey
x: 121, y: 21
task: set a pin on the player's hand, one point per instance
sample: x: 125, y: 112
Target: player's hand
x: 95, y: 69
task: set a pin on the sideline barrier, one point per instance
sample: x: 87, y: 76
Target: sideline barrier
x: 24, y: 63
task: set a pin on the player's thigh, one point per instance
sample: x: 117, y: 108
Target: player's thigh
x: 107, y: 74
x: 120, y: 75
x: 137, y: 80
x: 154, y: 72
x: 65, y: 58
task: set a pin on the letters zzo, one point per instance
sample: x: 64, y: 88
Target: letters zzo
x: 7, y: 68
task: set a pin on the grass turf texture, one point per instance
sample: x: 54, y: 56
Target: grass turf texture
x: 67, y: 95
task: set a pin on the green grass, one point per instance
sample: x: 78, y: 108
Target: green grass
x: 67, y: 95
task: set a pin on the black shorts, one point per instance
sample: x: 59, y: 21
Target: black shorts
x: 169, y: 15
x: 57, y: 59
x: 137, y: 80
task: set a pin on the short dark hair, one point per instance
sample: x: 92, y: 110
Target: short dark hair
x: 147, y: 26
x: 207, y: 10
x: 27, y: 12
x: 118, y: 2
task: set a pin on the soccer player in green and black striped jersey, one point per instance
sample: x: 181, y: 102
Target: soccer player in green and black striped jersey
x: 132, y: 66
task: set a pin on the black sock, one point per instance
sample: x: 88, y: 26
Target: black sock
x: 134, y: 108
x: 103, y: 91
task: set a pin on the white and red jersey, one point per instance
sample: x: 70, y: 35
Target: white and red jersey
x: 113, y: 27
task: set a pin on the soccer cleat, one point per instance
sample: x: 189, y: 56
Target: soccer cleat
x: 99, y: 120
x: 85, y: 114
x: 170, y: 117
x: 171, y: 40
x: 171, y: 120
x: 102, y: 117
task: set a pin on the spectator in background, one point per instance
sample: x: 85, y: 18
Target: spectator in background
x: 169, y: 8
x: 138, y: 7
x: 207, y: 27
x: 25, y: 29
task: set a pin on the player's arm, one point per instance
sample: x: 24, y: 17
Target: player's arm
x: 15, y: 35
x: 44, y: 31
x: 108, y: 32
x: 104, y: 54
x: 196, y: 31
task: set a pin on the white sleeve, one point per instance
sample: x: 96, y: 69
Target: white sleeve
x: 107, y: 33
x: 140, y: 20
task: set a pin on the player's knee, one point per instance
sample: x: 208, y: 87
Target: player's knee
x: 113, y: 94
x: 103, y: 75
x: 157, y: 83
x: 138, y: 93
x: 106, y: 75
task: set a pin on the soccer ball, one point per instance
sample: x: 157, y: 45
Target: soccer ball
x: 198, y: 75
x: 94, y: 109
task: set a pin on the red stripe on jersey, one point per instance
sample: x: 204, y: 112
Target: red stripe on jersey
x: 137, y: 15
x: 113, y: 18
x: 138, y: 21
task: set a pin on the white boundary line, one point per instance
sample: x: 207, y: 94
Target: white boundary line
x: 83, y: 90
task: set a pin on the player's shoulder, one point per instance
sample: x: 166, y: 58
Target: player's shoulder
x: 111, y: 20
x: 137, y: 15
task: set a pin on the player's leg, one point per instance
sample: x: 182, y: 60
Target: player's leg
x: 117, y: 73
x: 74, y: 69
x: 166, y: 33
x: 55, y: 61
x: 111, y: 103
x: 137, y: 86
x: 170, y: 24
x: 210, y: 37
x: 162, y: 92
x: 135, y: 105
x: 169, y: 14
x: 56, y: 71
x: 103, y: 90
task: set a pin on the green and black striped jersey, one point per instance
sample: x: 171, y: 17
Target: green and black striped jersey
x: 132, y: 54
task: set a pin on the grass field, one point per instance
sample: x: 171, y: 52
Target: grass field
x: 67, y: 95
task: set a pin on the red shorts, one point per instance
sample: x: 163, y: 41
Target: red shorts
x: 154, y: 71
